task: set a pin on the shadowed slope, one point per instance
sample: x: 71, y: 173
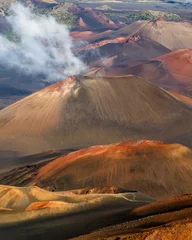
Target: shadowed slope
x: 176, y: 213
x: 9, y: 161
x: 59, y: 215
x: 83, y: 111
x: 127, y: 50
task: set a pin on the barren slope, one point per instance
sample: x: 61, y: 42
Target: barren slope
x: 173, y: 35
x: 127, y: 50
x: 83, y: 111
x: 156, y: 169
x: 172, y: 71
x: 170, y: 220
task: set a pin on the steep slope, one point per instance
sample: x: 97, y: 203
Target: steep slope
x: 127, y: 50
x: 172, y: 71
x: 124, y: 165
x: 173, y: 35
x: 84, y: 111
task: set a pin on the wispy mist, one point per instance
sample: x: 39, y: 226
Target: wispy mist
x: 41, y: 46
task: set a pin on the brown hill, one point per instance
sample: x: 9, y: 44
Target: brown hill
x: 85, y: 111
x: 141, y: 40
x: 124, y: 165
x: 173, y: 35
x: 126, y: 49
x: 172, y: 71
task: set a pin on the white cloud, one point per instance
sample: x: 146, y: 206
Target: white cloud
x: 44, y: 46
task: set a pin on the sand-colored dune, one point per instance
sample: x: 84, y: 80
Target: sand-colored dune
x: 85, y: 111
x: 151, y: 167
x: 60, y: 214
x: 128, y: 215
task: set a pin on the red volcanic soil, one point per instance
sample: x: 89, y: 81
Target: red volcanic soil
x: 179, y: 65
x: 124, y: 165
x: 82, y: 35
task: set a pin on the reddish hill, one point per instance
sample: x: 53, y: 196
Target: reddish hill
x: 124, y: 165
x: 179, y: 65
x: 172, y: 71
x: 172, y: 35
x: 84, y: 111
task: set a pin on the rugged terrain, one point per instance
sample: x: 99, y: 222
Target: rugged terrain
x: 106, y: 154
